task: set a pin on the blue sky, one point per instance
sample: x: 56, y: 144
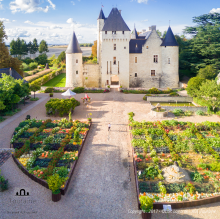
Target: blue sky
x: 54, y: 20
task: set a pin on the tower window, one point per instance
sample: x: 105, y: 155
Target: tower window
x: 168, y: 60
x: 76, y: 60
x: 125, y: 47
x: 155, y: 58
x: 113, y: 32
x: 114, y: 46
x: 136, y: 59
x: 146, y: 47
x: 135, y: 75
x: 105, y: 32
x: 77, y: 72
x: 114, y: 60
x: 152, y: 72
x: 123, y: 32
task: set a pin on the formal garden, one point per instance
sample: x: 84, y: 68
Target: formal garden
x: 175, y: 161
x: 47, y: 151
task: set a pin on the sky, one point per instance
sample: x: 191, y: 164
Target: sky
x: 55, y: 20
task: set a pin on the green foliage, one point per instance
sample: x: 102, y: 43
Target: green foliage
x: 41, y: 59
x: 55, y: 182
x: 33, y: 65
x: 174, y: 94
x: 3, y: 183
x: 190, y: 188
x: 200, y: 113
x: 43, y: 47
x: 79, y: 89
x: 61, y: 106
x: 193, y: 86
x: 178, y: 112
x: 162, y: 188
x: 154, y: 90
x: 25, y: 67
x: 151, y: 172
x: 209, y: 72
x: 49, y: 90
x: 197, y: 177
x: 63, y: 172
x: 146, y: 203
x: 34, y: 99
x: 62, y: 57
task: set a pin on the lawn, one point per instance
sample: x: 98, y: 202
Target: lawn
x: 58, y: 81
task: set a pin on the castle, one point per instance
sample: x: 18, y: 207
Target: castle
x: 125, y: 59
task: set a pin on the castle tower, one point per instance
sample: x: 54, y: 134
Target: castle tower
x: 170, y: 61
x: 100, y: 24
x: 115, y: 37
x: 74, y: 63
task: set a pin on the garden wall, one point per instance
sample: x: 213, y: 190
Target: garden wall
x: 185, y: 108
x: 169, y: 99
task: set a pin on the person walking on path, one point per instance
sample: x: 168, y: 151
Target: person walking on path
x: 109, y: 127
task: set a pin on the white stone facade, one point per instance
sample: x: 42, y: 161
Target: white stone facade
x: 155, y: 66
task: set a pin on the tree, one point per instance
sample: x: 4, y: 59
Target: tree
x: 34, y: 87
x: 94, y: 49
x: 7, y: 61
x: 24, y: 48
x: 210, y: 93
x: 41, y: 59
x: 159, y: 33
x: 43, y: 47
x: 34, y: 46
x: 209, y: 72
x: 13, y: 47
x: 62, y: 57
x: 193, y: 86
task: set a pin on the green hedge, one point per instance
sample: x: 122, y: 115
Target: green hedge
x: 61, y: 106
x: 43, y: 79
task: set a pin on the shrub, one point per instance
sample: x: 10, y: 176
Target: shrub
x: 79, y: 89
x: 174, y: 94
x: 194, y: 85
x: 63, y: 172
x: 33, y: 65
x: 177, y: 112
x: 51, y: 94
x: 3, y: 183
x: 146, y: 203
x: 34, y: 99
x: 200, y: 113
x: 25, y: 67
x: 197, y: 177
x: 49, y: 90
x: 154, y: 90
x: 54, y: 183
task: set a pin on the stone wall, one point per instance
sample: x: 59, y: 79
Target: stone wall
x: 169, y: 99
x: 185, y: 108
x: 91, y: 75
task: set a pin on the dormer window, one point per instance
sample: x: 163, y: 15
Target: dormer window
x: 105, y: 32
x: 136, y: 45
x: 123, y: 32
x: 113, y: 32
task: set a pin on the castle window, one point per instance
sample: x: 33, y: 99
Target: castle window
x: 136, y: 45
x: 168, y: 60
x: 114, y: 46
x: 135, y: 75
x: 76, y: 60
x: 105, y: 32
x: 152, y: 72
x: 146, y: 47
x: 155, y: 58
x: 114, y: 60
x: 125, y: 47
x: 136, y: 60
x: 123, y: 32
x: 113, y: 32
x: 77, y: 72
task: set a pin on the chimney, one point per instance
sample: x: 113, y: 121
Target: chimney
x: 153, y: 27
x: 119, y: 11
x: 10, y: 72
x: 144, y: 30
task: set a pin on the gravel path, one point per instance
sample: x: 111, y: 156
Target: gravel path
x: 100, y: 186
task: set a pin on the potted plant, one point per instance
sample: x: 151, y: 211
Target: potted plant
x: 89, y: 118
x: 51, y: 94
x: 54, y: 183
x: 146, y: 206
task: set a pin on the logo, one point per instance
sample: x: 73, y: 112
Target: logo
x: 22, y: 192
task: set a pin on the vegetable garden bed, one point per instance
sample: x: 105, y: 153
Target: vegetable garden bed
x: 195, y: 149
x: 46, y: 148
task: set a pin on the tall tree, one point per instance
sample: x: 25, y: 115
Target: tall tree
x: 24, y: 48
x: 43, y: 47
x: 7, y: 61
x: 34, y: 46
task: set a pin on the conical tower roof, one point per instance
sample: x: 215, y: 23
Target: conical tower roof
x: 115, y: 22
x: 101, y: 15
x: 73, y: 46
x: 169, y: 39
x: 134, y: 34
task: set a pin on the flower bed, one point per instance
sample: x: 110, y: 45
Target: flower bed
x: 46, y: 148
x: 194, y: 147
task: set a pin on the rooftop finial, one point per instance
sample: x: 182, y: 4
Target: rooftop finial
x: 169, y: 22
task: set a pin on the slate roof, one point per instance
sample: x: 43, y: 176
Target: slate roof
x: 145, y: 34
x: 134, y: 34
x: 135, y: 46
x: 169, y: 39
x: 115, y: 22
x: 15, y: 74
x: 73, y: 46
x: 101, y: 15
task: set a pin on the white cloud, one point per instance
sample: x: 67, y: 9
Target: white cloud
x: 55, y: 27
x: 140, y: 1
x: 13, y: 20
x: 144, y: 20
x: 54, y: 35
x: 73, y: 2
x: 70, y: 21
x: 1, y: 5
x: 29, y: 6
x: 28, y: 22
x: 6, y: 20
x: 215, y: 10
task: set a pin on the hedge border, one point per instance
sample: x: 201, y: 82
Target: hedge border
x: 43, y: 182
x: 174, y: 205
